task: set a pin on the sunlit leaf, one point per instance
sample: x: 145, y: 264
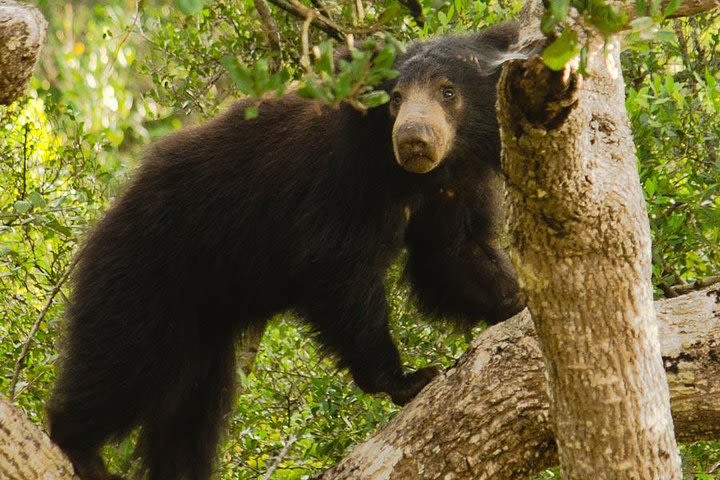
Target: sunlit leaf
x: 22, y: 206
x: 562, y: 50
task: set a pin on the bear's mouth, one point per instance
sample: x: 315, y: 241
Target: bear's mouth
x: 416, y: 156
x: 417, y: 163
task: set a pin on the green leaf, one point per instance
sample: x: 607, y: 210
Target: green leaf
x: 584, y: 53
x: 642, y: 23
x: 325, y: 62
x: 277, y: 81
x: 547, y: 23
x: 671, y: 7
x: 239, y: 74
x: 37, y: 200
x: 554, y: 14
x: 641, y: 8
x: 605, y: 18
x: 392, y: 12
x: 343, y: 86
x: 311, y: 88
x: 54, y: 224
x: 251, y: 112
x: 374, y: 99
x: 664, y: 36
x: 190, y: 7
x: 22, y: 206
x: 386, y: 57
x: 559, y: 9
x: 562, y: 50
x: 262, y: 77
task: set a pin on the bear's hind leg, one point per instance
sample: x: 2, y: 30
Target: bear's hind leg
x: 179, y: 441
x: 93, y: 401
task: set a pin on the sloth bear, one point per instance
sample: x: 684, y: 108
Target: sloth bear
x: 302, y: 208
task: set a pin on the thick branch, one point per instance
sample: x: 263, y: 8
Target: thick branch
x: 487, y: 417
x: 271, y: 28
x: 23, y: 32
x: 25, y: 452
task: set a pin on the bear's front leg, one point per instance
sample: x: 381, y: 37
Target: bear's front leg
x: 354, y: 326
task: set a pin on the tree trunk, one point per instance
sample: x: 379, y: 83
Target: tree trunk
x: 580, y: 243
x: 22, y: 34
x: 487, y: 417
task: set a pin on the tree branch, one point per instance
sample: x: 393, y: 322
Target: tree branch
x: 26, y: 347
x: 269, y: 24
x: 682, y: 289
x: 487, y: 417
x: 302, y: 12
x: 689, y: 8
x: 26, y: 453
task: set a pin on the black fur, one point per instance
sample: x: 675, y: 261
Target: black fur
x: 303, y: 208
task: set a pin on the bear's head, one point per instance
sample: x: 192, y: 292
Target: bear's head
x: 443, y: 101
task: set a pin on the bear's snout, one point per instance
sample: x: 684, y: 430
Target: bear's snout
x: 415, y: 147
x: 422, y: 134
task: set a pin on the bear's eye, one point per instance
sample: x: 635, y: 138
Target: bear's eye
x: 396, y: 98
x: 448, y: 93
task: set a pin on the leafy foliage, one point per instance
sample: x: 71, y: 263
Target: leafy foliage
x: 672, y: 100
x: 568, y: 17
x: 118, y: 74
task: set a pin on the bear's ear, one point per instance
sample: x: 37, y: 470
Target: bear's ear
x: 498, y: 44
x: 499, y: 37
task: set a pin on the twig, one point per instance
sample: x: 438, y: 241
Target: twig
x: 37, y: 212
x: 677, y: 290
x: 301, y: 11
x: 269, y: 23
x: 24, y: 171
x: 280, y: 456
x: 305, y: 43
x: 359, y: 12
x: 35, y: 328
x: 321, y: 8
x: 111, y: 64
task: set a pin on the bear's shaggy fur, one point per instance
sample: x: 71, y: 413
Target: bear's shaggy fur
x: 303, y: 208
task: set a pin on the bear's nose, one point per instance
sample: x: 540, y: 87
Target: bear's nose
x: 414, y: 136
x: 415, y: 146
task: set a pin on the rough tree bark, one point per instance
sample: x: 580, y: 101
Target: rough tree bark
x: 23, y: 31
x: 25, y: 452
x: 485, y: 418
